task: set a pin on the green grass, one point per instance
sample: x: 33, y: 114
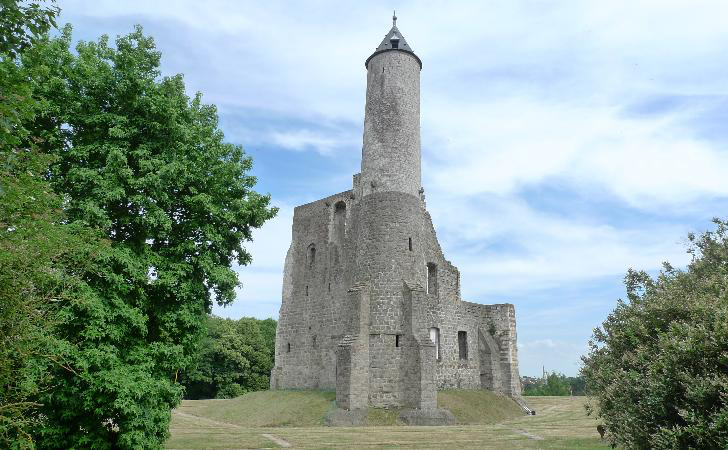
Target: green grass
x: 278, y: 408
x: 295, y: 416
x: 478, y: 407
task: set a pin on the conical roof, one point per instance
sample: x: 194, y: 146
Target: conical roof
x: 393, y: 40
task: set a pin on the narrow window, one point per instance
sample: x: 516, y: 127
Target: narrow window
x: 329, y: 287
x: 314, y: 341
x: 397, y: 340
x: 306, y: 290
x: 432, y: 278
x: 339, y: 223
x: 410, y: 244
x: 311, y: 255
x: 435, y: 338
x: 288, y: 347
x: 463, y: 344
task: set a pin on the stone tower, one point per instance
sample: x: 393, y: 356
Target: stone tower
x: 371, y: 307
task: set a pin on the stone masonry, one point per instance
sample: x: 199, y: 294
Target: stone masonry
x: 371, y: 307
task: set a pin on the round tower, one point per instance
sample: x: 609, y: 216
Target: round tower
x: 391, y: 148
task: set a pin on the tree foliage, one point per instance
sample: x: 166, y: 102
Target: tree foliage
x: 41, y: 254
x: 22, y: 23
x: 658, y: 365
x: 236, y: 357
x: 555, y: 384
x: 121, y: 264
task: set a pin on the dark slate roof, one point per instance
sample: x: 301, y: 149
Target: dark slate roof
x: 386, y: 45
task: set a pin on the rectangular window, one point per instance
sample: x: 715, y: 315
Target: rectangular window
x: 463, y: 344
x: 431, y: 279
x: 435, y: 338
x: 397, y: 340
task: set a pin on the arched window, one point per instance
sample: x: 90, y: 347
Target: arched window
x: 311, y: 255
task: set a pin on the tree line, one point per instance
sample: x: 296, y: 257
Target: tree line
x: 554, y: 384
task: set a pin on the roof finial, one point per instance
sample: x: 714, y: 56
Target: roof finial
x: 394, y: 18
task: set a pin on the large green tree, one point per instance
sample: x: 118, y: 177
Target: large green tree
x: 658, y: 365
x: 147, y: 167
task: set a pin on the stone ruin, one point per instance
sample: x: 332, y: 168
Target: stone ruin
x: 371, y: 307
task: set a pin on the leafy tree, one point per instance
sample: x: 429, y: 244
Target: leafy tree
x: 658, y: 365
x: 236, y: 358
x: 577, y: 385
x: 146, y: 166
x: 555, y: 384
x: 40, y: 254
x: 41, y: 259
x: 268, y: 328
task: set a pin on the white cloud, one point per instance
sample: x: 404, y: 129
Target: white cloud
x: 649, y: 162
x: 304, y: 139
x: 504, y: 247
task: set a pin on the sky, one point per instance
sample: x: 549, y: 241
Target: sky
x: 562, y: 142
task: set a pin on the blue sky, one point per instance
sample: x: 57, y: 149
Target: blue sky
x: 563, y: 142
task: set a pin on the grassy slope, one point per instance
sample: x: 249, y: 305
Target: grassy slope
x: 561, y: 423
x: 478, y: 407
x: 266, y: 408
x: 308, y: 408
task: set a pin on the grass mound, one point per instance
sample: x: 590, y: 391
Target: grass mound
x: 266, y: 408
x: 478, y: 407
x: 307, y: 408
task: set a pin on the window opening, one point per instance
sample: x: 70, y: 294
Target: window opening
x: 306, y: 290
x: 311, y: 255
x: 397, y: 340
x: 339, y: 223
x: 410, y: 244
x: 463, y: 344
x: 288, y: 347
x: 435, y: 338
x: 431, y: 278
x: 314, y: 341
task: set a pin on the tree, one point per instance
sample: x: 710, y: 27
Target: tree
x: 658, y: 365
x: 41, y: 254
x: 148, y: 168
x: 236, y: 358
x: 555, y: 384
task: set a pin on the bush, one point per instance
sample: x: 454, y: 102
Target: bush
x: 658, y: 366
